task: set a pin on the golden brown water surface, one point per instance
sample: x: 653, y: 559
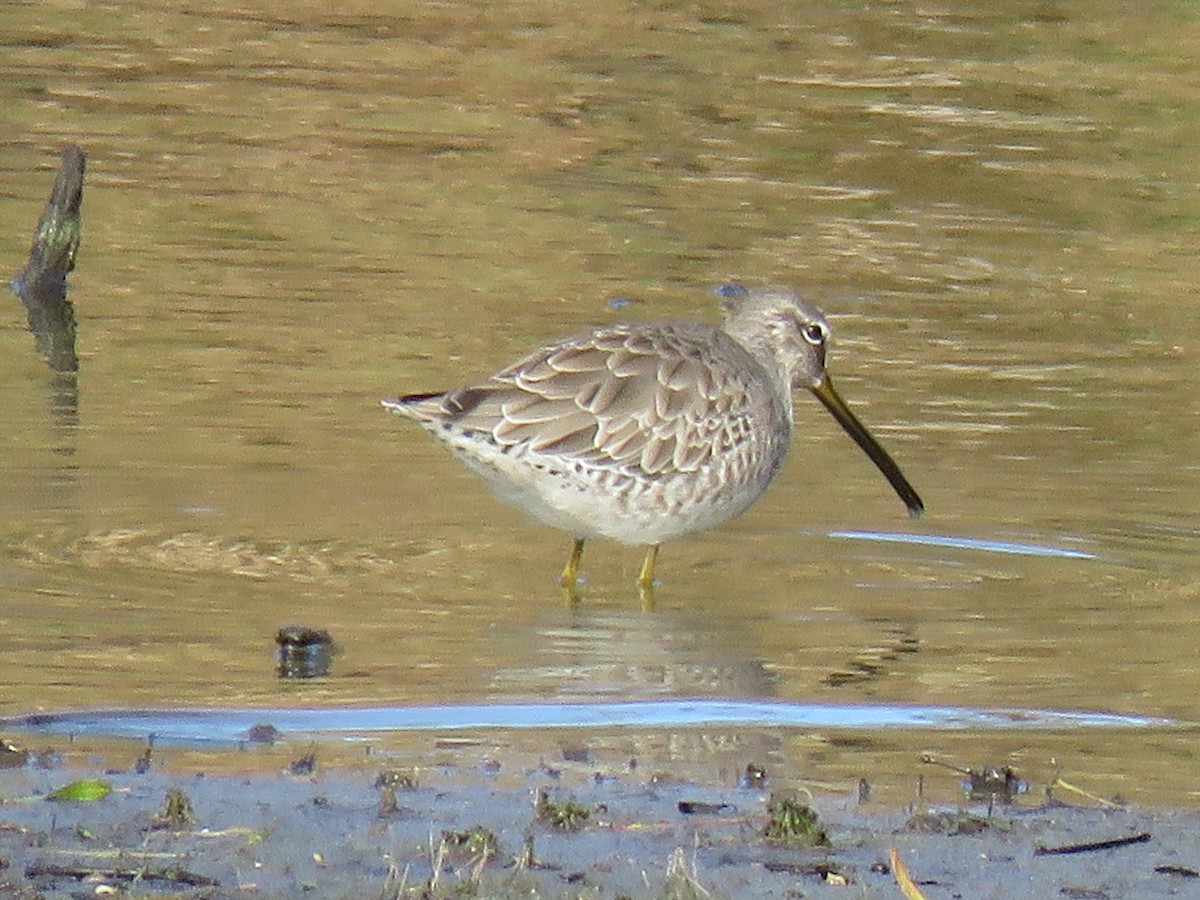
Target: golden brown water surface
x: 292, y: 211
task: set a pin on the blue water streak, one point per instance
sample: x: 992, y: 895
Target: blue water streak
x: 233, y: 725
x: 962, y: 543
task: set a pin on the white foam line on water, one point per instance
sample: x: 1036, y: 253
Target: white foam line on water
x: 962, y: 543
x: 234, y: 725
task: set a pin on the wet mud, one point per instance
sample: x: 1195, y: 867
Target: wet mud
x: 523, y: 827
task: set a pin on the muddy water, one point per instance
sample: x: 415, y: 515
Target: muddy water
x: 292, y: 212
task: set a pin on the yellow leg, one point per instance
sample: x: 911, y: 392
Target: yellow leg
x: 646, y: 578
x: 570, y: 573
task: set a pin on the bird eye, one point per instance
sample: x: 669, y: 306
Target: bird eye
x: 813, y: 333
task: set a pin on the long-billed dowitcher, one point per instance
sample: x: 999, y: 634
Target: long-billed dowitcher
x: 644, y: 433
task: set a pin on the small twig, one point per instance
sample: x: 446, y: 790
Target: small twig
x: 931, y: 761
x: 1108, y: 804
x: 904, y: 880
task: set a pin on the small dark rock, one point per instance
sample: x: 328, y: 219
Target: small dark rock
x: 263, y: 733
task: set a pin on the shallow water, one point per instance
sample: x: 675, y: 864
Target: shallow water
x: 291, y: 212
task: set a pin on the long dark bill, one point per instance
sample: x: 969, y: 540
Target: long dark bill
x: 857, y: 430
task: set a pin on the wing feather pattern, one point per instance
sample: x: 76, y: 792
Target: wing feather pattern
x: 640, y: 397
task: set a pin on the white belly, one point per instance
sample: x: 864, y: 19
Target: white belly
x: 592, y: 502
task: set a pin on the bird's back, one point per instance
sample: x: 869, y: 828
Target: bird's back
x: 658, y: 399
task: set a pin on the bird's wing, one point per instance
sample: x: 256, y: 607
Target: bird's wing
x: 658, y: 399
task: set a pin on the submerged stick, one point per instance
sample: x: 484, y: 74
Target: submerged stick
x: 1092, y: 845
x: 42, y: 284
x: 174, y: 876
